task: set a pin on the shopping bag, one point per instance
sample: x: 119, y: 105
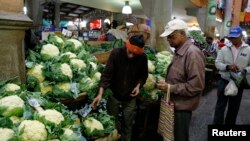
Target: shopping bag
x: 231, y: 89
x: 166, y: 118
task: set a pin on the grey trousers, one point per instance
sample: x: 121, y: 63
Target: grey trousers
x: 124, y: 113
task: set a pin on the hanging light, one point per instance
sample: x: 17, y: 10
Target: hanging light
x: 126, y: 8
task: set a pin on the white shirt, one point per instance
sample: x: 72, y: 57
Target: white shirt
x: 119, y: 34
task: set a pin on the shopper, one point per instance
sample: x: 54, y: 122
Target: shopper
x: 186, y: 76
x: 210, y: 49
x: 115, y: 33
x: 234, y: 57
x: 125, y: 73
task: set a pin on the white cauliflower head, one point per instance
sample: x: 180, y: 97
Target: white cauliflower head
x: 50, y: 50
x: 13, y: 105
x: 6, y: 134
x: 150, y: 83
x: 52, y: 115
x: 45, y: 88
x: 97, y: 76
x: 151, y: 66
x: 33, y: 130
x: 59, y: 40
x: 68, y: 131
x: 76, y: 43
x: 93, y: 124
x: 78, y: 63
x: 37, y: 72
x: 70, y: 54
x: 66, y: 70
x: 16, y: 119
x: 11, y: 87
x: 93, y: 65
x: 64, y: 86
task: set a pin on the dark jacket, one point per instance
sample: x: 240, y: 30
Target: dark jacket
x: 122, y: 74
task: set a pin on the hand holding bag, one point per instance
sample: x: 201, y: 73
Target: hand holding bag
x: 166, y: 119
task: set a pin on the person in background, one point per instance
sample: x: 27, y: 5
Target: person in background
x: 140, y: 29
x: 116, y: 33
x: 125, y: 73
x: 186, y: 76
x: 233, y: 57
x: 221, y: 44
x: 210, y: 49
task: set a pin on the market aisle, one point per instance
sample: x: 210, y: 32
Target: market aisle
x: 203, y: 116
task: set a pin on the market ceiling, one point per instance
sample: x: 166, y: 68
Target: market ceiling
x: 179, y: 7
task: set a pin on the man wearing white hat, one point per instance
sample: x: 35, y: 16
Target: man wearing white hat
x: 186, y: 76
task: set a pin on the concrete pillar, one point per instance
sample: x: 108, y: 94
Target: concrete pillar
x: 13, y: 24
x: 228, y: 17
x: 57, y: 13
x: 236, y: 12
x: 160, y: 13
x: 35, y: 11
x: 211, y: 18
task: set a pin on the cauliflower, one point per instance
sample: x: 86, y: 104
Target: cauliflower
x: 45, y: 88
x: 33, y: 130
x: 76, y: 43
x: 92, y: 124
x: 49, y: 51
x: 6, y: 134
x: 62, y: 90
x: 69, y: 135
x: 154, y: 94
x: 54, y: 39
x: 66, y: 70
x: 93, y: 65
x: 37, y: 72
x: 78, y: 63
x: 150, y: 83
x: 59, y: 72
x: 11, y: 87
x: 64, y: 86
x: 52, y: 115
x: 59, y: 40
x: 70, y: 54
x: 16, y: 119
x: 151, y: 67
x: 97, y: 76
x: 13, y: 106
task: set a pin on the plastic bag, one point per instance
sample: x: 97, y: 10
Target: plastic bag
x: 231, y: 89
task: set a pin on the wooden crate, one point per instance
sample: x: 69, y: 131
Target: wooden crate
x: 102, y: 57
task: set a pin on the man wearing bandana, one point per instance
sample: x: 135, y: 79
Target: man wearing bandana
x: 125, y: 73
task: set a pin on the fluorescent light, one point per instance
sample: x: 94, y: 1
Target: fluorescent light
x: 126, y: 8
x: 25, y: 10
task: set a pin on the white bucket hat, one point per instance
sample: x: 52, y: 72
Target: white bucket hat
x: 173, y: 25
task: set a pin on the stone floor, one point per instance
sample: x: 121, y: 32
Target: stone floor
x: 203, y: 116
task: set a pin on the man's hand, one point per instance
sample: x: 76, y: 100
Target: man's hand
x: 96, y: 102
x: 135, y: 91
x: 162, y: 85
x: 232, y: 68
x: 97, y: 99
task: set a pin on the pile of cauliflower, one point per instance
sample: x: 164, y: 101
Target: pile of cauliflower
x: 157, y: 68
x: 57, y: 66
